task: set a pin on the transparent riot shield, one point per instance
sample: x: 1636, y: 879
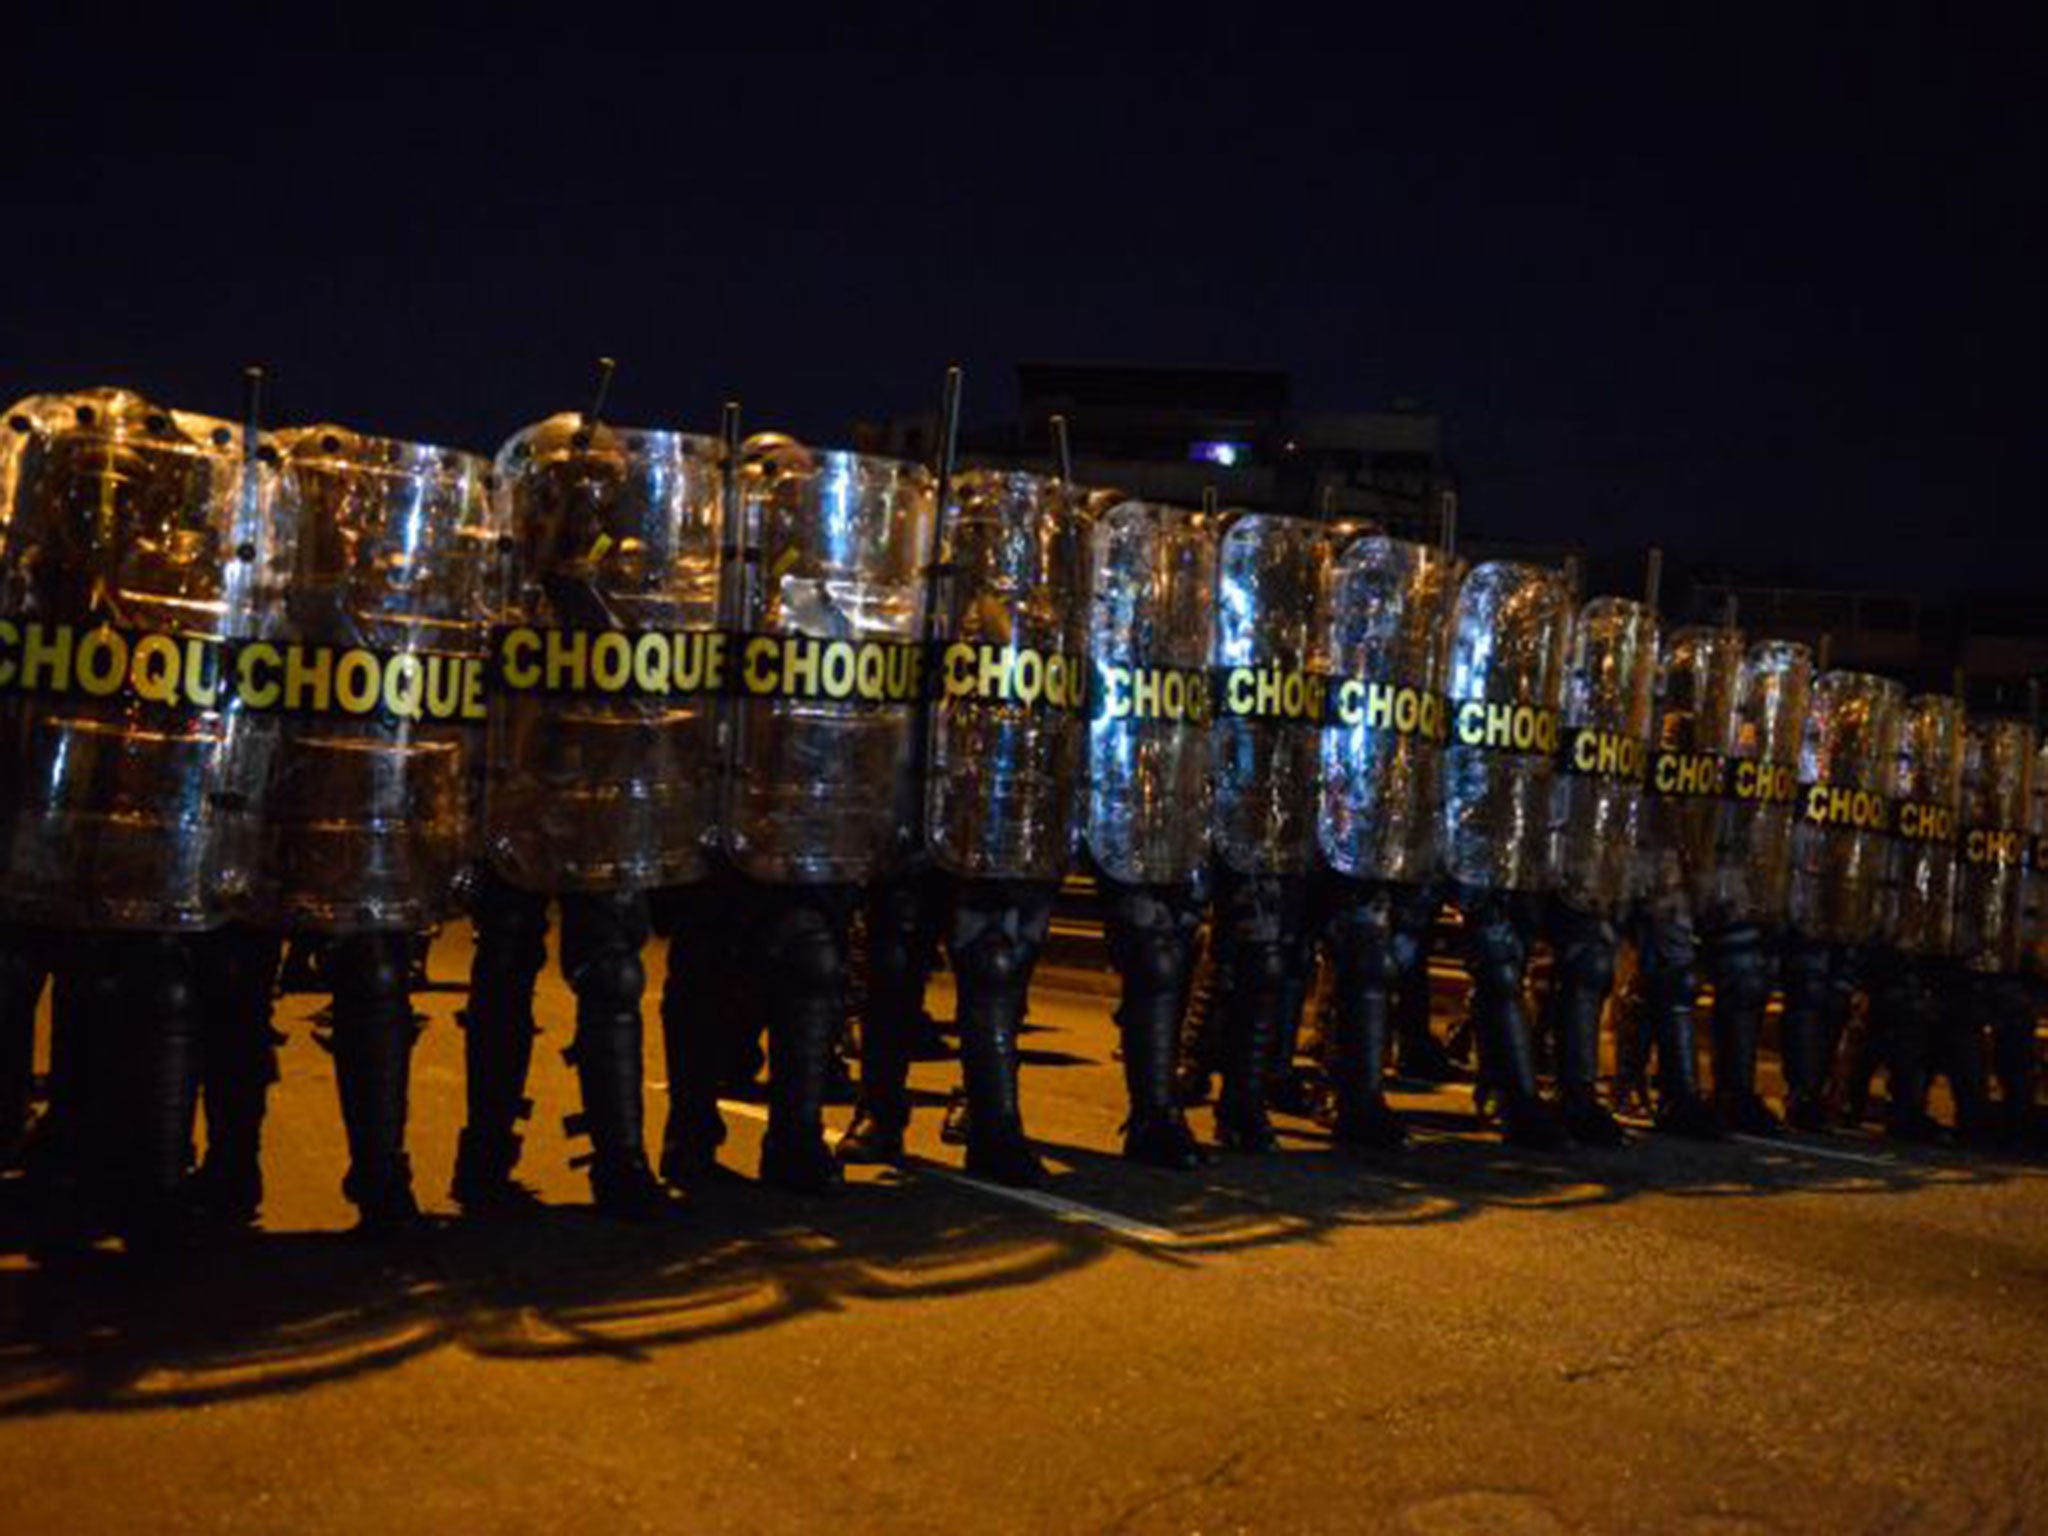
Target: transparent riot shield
x: 1603, y: 754
x: 827, y: 674
x: 1379, y: 810
x: 1926, y: 792
x: 368, y: 684
x: 1009, y: 696
x: 1841, y: 845
x: 1509, y: 632
x: 1153, y: 581
x: 1749, y: 879
x: 1697, y: 711
x: 602, y: 762
x: 130, y: 541
x: 1997, y: 801
x: 1268, y: 690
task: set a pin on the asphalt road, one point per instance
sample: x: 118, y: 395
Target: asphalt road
x: 1809, y: 1337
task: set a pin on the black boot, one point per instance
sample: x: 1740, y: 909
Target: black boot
x: 1364, y: 950
x: 497, y: 1045
x: 1256, y: 924
x: 1152, y: 942
x: 1418, y: 1055
x: 373, y: 1039
x: 237, y: 978
x: 899, y: 964
x: 156, y: 1025
x: 804, y: 952
x: 994, y: 939
x: 1804, y: 1031
x: 1671, y: 993
x: 602, y: 936
x: 705, y: 960
x: 1582, y: 974
x: 1742, y: 988
x: 1498, y: 953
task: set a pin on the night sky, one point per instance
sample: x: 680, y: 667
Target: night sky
x: 1766, y: 292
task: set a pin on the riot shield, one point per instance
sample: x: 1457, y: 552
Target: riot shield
x: 1841, y: 845
x: 1152, y: 585
x: 130, y: 541
x: 601, y: 762
x: 367, y: 684
x: 1389, y: 604
x: 1926, y: 793
x: 1267, y: 692
x: 1699, y: 697
x: 1010, y: 692
x: 1603, y: 753
x: 1997, y: 801
x: 1750, y: 879
x: 827, y: 674
x: 1509, y: 632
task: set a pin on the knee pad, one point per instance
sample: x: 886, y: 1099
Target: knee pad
x: 1742, y: 977
x: 1496, y: 951
x: 1152, y: 962
x: 1586, y: 962
x: 994, y: 958
x: 614, y: 980
x: 803, y: 954
x: 371, y: 969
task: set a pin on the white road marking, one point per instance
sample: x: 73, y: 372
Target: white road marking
x: 1058, y: 1206
x: 1808, y: 1149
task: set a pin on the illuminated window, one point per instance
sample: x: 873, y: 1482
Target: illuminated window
x: 1221, y: 450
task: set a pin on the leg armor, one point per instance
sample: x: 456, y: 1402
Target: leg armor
x: 1367, y: 952
x: 697, y: 1027
x: 1806, y: 1028
x: 497, y: 1040
x: 1291, y: 1088
x: 2007, y: 1011
x: 803, y: 951
x: 902, y: 948
x: 154, y: 1031
x: 1200, y: 1047
x: 1582, y: 974
x: 1259, y: 922
x: 1742, y: 989
x: 237, y: 981
x: 994, y: 937
x: 373, y: 1039
x: 1152, y: 941
x: 1671, y: 991
x: 1419, y: 1054
x: 602, y: 936
x: 1908, y: 1036
x: 1497, y: 952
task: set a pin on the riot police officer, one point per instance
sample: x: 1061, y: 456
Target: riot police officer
x: 601, y: 770
x: 1841, y: 859
x: 134, y: 539
x: 1150, y: 623
x: 1743, y: 902
x: 1989, y: 998
x: 1509, y: 633
x: 368, y: 678
x: 826, y: 683
x: 1379, y: 807
x: 1603, y: 758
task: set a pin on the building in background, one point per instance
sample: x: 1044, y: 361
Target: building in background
x: 1167, y: 434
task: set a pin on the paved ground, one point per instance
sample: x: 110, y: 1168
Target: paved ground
x: 1459, y: 1339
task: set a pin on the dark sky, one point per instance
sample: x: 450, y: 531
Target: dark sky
x: 1765, y: 292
